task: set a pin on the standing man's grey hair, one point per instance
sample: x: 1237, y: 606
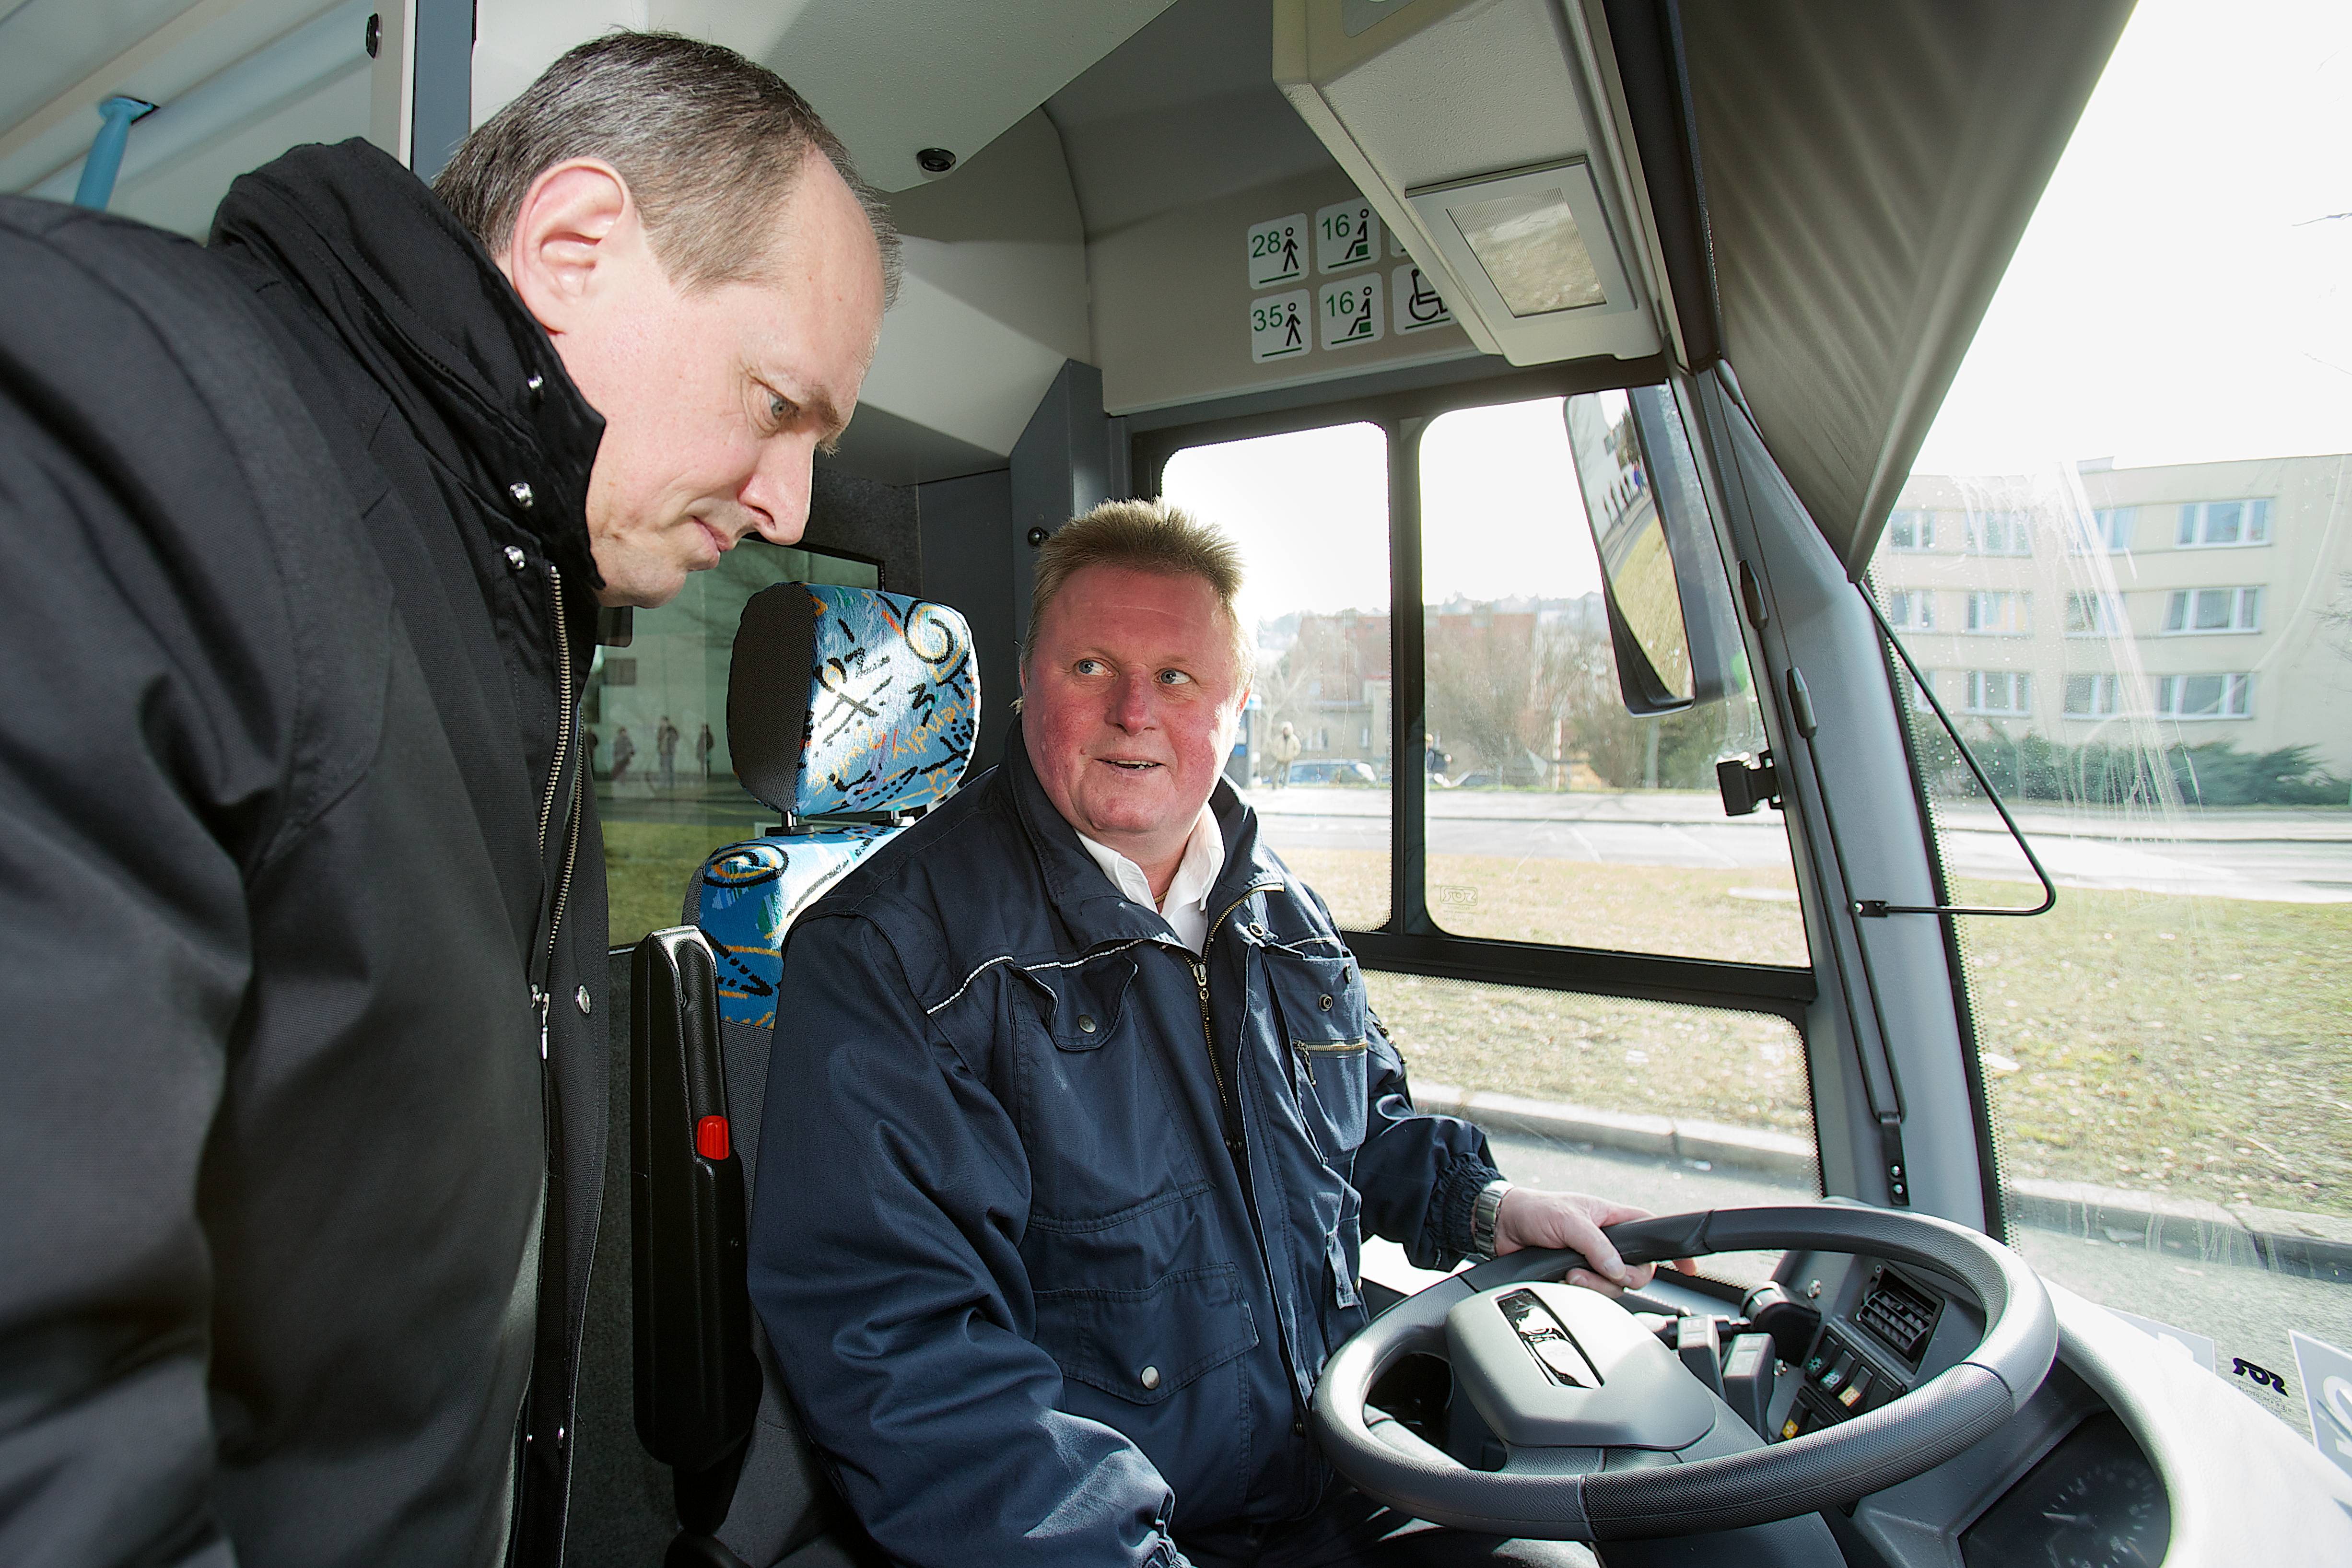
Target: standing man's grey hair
x: 1143, y: 536
x: 707, y: 142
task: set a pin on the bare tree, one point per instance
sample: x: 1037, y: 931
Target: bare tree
x: 1482, y: 672
x: 2337, y: 617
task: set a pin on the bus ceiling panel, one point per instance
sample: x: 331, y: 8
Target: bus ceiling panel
x: 1004, y: 236
x: 1182, y: 113
x: 59, y: 59
x: 993, y: 303
x: 894, y: 77
x: 956, y: 369
x: 1480, y: 133
x: 1868, y: 167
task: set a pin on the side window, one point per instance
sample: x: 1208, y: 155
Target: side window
x: 653, y: 718
x: 1310, y: 512
x: 1554, y: 814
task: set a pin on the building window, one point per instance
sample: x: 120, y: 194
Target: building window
x: 2223, y: 523
x: 2093, y: 696
x: 1911, y: 531
x: 2109, y: 532
x: 2093, y: 615
x: 1911, y: 610
x: 2000, y: 615
x: 2194, y: 610
x: 620, y: 671
x: 2000, y: 533
x: 2002, y: 692
x: 2205, y: 696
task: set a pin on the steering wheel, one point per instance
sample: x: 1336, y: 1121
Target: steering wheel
x: 1607, y: 1436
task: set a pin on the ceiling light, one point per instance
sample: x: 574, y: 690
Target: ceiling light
x: 1527, y: 242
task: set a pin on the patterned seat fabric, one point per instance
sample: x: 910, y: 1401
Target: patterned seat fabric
x: 839, y: 701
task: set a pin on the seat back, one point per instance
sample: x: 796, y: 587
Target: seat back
x: 849, y: 711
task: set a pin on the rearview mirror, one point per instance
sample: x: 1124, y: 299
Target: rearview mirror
x: 1661, y: 572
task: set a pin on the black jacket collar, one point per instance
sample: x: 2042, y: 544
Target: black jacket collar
x: 433, y: 320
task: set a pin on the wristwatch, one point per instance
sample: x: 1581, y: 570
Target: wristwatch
x: 1489, y: 1203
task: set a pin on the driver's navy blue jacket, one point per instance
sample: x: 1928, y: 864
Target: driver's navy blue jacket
x: 1057, y: 1223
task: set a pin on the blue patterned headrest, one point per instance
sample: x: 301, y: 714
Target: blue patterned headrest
x: 850, y: 699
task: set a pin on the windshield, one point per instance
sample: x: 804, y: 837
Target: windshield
x: 2123, y: 562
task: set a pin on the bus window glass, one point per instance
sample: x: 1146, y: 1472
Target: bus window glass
x: 1310, y: 512
x: 2166, y: 1055
x: 1554, y: 814
x: 1672, y: 1108
x: 653, y: 718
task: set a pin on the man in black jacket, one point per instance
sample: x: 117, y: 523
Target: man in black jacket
x: 301, y: 1074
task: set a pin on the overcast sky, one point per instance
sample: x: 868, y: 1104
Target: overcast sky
x: 2181, y: 296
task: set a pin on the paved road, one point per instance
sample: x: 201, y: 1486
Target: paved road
x: 2297, y: 856
x: 2246, y: 1312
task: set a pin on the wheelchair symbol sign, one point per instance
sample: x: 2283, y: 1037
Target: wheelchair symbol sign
x: 1419, y: 307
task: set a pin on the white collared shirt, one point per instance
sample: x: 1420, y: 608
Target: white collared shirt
x: 1186, y: 907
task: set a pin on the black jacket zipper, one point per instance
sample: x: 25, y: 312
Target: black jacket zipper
x: 541, y: 992
x: 1229, y: 1111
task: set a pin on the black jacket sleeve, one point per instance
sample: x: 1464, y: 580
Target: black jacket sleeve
x: 886, y: 1265
x: 146, y: 740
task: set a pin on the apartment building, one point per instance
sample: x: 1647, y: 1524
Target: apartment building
x: 2175, y: 605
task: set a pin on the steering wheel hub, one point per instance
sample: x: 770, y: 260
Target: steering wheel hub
x: 1550, y: 1367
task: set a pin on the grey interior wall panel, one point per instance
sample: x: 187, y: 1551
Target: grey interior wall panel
x: 968, y: 544
x: 869, y: 519
x: 1071, y: 458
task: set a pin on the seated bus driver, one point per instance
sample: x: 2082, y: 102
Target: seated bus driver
x: 1080, y: 1111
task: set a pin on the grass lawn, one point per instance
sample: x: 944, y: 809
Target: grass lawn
x: 646, y: 864
x: 1684, y: 911
x: 2199, y: 1046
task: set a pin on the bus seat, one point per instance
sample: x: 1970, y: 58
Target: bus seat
x: 850, y: 712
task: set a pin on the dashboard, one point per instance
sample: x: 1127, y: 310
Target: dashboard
x: 2065, y: 1484
x: 2123, y: 1456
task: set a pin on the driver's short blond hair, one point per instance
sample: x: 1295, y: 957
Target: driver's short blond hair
x: 1143, y: 536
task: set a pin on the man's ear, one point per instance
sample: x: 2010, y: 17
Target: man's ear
x: 575, y: 221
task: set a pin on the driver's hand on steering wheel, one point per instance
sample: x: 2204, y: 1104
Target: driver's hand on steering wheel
x: 1531, y: 1216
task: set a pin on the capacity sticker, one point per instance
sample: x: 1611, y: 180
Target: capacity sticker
x: 1350, y: 311
x: 1348, y: 235
x: 1277, y: 251
x: 1278, y: 327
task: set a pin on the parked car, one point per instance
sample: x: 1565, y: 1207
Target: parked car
x: 1333, y: 770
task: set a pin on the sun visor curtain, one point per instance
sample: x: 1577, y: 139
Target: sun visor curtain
x: 1869, y: 168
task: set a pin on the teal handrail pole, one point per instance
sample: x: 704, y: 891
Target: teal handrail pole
x: 105, y: 160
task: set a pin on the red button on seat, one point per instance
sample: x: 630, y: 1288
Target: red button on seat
x: 710, y: 1138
